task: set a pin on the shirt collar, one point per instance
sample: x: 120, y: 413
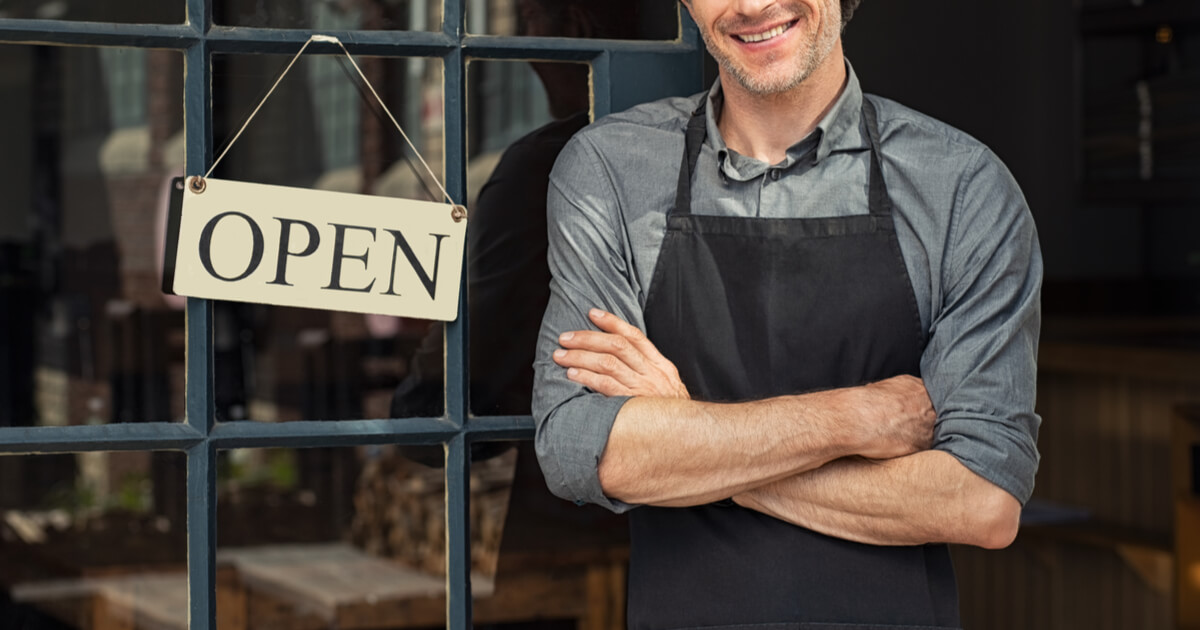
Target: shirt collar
x: 838, y: 130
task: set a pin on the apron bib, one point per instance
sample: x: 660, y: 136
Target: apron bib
x: 751, y: 308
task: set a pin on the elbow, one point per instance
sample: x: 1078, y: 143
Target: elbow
x: 620, y: 478
x: 617, y: 468
x: 612, y: 480
x: 994, y: 519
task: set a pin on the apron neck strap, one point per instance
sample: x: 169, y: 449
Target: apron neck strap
x: 697, y: 130
x: 879, y: 202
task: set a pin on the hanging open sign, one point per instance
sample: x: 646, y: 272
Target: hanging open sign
x: 229, y: 240
x: 247, y: 242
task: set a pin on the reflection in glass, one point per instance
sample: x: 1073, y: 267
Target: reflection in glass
x: 611, y: 19
x: 339, y: 537
x: 518, y: 126
x: 319, y: 538
x: 93, y: 540
x: 411, y: 15
x: 319, y: 131
x: 129, y: 11
x: 508, y: 276
x: 521, y: 126
x: 520, y: 117
x: 92, y: 137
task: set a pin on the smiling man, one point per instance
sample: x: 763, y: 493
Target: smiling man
x: 792, y: 330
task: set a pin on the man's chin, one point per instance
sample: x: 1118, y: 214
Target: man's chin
x: 768, y: 84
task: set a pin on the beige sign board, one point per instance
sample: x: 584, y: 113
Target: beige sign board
x: 318, y: 249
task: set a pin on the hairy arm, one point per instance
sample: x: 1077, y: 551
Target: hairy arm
x: 673, y: 452
x: 850, y: 463
x: 666, y: 449
x: 920, y: 498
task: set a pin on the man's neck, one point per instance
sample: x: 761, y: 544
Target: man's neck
x: 764, y: 127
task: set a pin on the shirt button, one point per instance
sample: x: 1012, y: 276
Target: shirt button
x: 580, y: 502
x: 775, y: 174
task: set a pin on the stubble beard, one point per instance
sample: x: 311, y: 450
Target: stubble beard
x: 819, y: 45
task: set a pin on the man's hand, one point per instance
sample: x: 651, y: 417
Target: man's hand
x: 897, y: 418
x: 618, y: 360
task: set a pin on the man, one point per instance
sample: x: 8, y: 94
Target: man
x: 815, y: 272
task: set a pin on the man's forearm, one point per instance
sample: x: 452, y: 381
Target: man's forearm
x: 673, y: 452
x: 920, y: 498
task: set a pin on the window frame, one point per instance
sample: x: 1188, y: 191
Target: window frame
x: 618, y: 80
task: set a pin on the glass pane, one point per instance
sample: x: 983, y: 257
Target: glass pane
x: 355, y: 538
x: 317, y: 131
x: 130, y: 11
x: 612, y: 19
x: 93, y: 540
x: 517, y: 128
x: 92, y: 138
x: 409, y: 15
x: 556, y: 560
x: 330, y: 538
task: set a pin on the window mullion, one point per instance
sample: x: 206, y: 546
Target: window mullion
x: 95, y: 33
x: 454, y: 127
x: 601, y: 86
x: 258, y: 40
x: 199, y: 14
x: 198, y: 129
x: 97, y: 437
x: 199, y: 390
x: 458, y: 533
x: 458, y: 464
x: 202, y: 537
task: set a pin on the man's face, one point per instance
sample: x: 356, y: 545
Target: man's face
x: 768, y: 46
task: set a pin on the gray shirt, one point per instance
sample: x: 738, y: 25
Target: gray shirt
x: 965, y: 231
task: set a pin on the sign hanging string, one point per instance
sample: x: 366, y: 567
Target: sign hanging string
x: 330, y: 39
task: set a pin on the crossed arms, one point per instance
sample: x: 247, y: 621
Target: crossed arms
x: 852, y: 463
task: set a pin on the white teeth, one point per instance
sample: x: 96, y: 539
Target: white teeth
x: 764, y: 36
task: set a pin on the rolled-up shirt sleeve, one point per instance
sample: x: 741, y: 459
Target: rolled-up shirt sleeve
x: 980, y: 364
x: 590, y: 266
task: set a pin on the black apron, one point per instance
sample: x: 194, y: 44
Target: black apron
x: 750, y: 308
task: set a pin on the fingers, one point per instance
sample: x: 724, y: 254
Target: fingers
x: 612, y: 324
x: 608, y: 365
x: 599, y: 383
x: 618, y: 359
x: 614, y: 345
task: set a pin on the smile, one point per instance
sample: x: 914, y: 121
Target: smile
x: 766, y: 35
